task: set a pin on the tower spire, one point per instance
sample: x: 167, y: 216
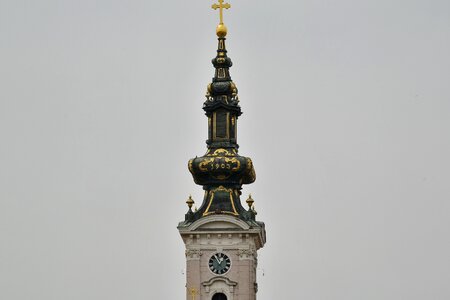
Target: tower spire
x: 221, y: 230
x: 222, y: 171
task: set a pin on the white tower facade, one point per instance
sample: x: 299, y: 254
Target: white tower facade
x: 221, y: 258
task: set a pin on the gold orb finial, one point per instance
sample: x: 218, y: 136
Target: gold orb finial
x: 250, y: 201
x: 221, y: 30
x: 190, y: 202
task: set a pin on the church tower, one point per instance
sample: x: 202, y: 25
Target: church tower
x: 222, y: 237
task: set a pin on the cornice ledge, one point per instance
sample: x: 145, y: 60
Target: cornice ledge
x: 219, y: 278
x: 218, y: 218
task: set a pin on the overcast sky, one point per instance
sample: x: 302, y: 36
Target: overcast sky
x: 346, y: 117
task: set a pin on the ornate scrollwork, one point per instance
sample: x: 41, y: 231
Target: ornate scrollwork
x: 208, y: 92
x: 193, y: 253
x: 229, y: 197
x: 234, y: 92
x: 221, y: 152
x: 191, y: 161
x: 204, y: 165
x: 247, y: 253
x: 221, y: 167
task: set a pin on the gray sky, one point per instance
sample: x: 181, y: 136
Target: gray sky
x: 346, y: 116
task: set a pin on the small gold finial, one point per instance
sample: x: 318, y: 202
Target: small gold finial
x: 190, y: 202
x: 250, y: 201
x: 221, y: 29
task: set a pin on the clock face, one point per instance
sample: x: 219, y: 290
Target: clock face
x: 219, y: 263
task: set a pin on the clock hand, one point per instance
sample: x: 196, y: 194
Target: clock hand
x: 217, y: 259
x: 222, y: 262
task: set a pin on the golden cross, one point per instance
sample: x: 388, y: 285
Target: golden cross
x: 193, y: 292
x: 221, y: 6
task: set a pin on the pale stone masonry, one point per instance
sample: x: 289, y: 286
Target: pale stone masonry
x: 231, y: 236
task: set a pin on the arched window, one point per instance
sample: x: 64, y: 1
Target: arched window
x: 219, y: 296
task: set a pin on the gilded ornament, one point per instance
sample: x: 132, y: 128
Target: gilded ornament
x: 193, y: 292
x: 250, y: 201
x: 190, y: 165
x: 221, y: 189
x: 221, y: 151
x: 190, y: 202
x: 203, y: 166
x: 208, y: 92
x: 221, y: 29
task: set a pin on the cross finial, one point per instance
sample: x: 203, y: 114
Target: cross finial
x: 193, y: 293
x: 221, y: 29
x: 221, y: 6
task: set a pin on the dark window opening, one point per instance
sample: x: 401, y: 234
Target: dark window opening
x: 219, y: 296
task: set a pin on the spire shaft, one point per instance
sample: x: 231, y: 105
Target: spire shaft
x: 221, y: 171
